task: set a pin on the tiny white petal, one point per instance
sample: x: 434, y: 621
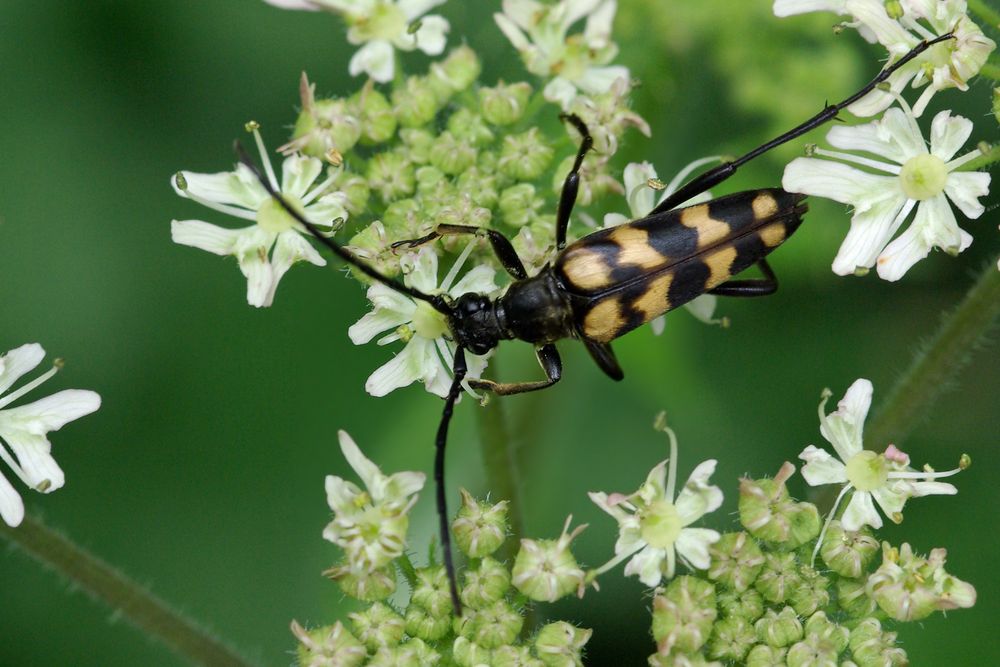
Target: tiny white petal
x: 871, y: 230
x: 17, y: 362
x: 559, y: 90
x: 375, y: 59
x: 648, y: 564
x: 784, y: 8
x: 512, y: 31
x: 205, y: 236
x: 860, y: 512
x: 843, y: 428
x: 891, y: 498
x: 34, y: 456
x: 698, y: 497
x: 600, y: 79
x: 400, y: 371
x: 693, y: 543
x: 414, y: 9
x: 11, y: 505
x: 361, y: 464
x: 298, y: 173
x: 432, y: 36
x: 964, y: 188
x: 479, y: 280
x: 920, y: 489
x: 52, y: 412
x: 821, y: 467
x: 948, y: 134
x: 304, y: 5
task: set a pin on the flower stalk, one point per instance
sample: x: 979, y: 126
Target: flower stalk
x: 149, y: 614
x: 497, y: 447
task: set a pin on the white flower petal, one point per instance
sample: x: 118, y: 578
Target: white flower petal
x: 860, y: 512
x: 844, y: 427
x: 11, y: 505
x: 34, y: 456
x: 375, y: 59
x: 597, y: 32
x: 698, y: 497
x: 869, y: 138
x: 50, y: 413
x: 920, y: 489
x: 229, y: 188
x: 964, y: 188
x: 298, y: 173
x: 512, y: 31
x: 362, y: 465
x: 597, y: 80
x: 891, y: 498
x: 648, y: 565
x: 403, y: 369
x: 560, y: 91
x: 414, y: 9
x: 837, y: 181
x: 821, y: 468
x: 784, y: 8
x: 871, y: 230
x: 421, y: 269
x: 948, y: 134
x: 480, y: 280
x: 205, y: 236
x: 934, y: 225
x: 340, y: 495
x: 17, y: 362
x: 374, y: 323
x: 703, y: 308
x: 294, y: 4
x: 693, y: 543
x: 432, y: 36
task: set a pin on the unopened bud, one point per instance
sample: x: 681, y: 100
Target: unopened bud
x: 328, y: 645
x: 736, y: 561
x: 504, y: 104
x: 486, y: 584
x: 683, y: 615
x: 560, y: 644
x: 490, y: 627
x: 432, y: 592
x: 363, y: 585
x: 763, y: 655
x: 779, y: 629
x: 871, y: 647
x: 545, y: 570
x: 779, y: 577
x: 451, y: 155
x: 378, y: 626
x: 525, y: 156
x: 748, y: 605
x: 378, y: 122
x: 732, y: 638
x: 414, y: 103
x: 848, y: 553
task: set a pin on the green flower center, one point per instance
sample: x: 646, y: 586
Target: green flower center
x: 272, y: 216
x: 660, y: 524
x: 923, y: 177
x: 385, y: 22
x: 429, y: 323
x: 867, y: 471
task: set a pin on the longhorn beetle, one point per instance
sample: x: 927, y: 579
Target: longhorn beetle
x: 610, y: 281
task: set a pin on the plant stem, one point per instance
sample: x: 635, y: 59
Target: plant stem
x: 500, y: 461
x: 985, y: 13
x: 148, y: 613
x: 938, y: 363
x: 991, y: 155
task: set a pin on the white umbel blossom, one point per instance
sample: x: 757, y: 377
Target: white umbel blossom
x: 267, y: 249
x: 654, y: 525
x: 641, y: 185
x: 883, y: 195
x: 572, y: 62
x: 381, y: 26
x: 949, y: 64
x: 24, y: 445
x: 428, y: 355
x: 885, y: 479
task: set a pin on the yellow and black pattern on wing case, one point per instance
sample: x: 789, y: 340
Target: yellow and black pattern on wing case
x: 622, y: 277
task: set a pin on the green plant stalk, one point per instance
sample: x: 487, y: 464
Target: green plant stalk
x: 148, y: 613
x: 500, y: 462
x: 990, y: 71
x: 934, y: 367
x: 985, y: 13
x: 991, y: 155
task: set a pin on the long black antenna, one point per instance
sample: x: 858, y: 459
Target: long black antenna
x: 436, y: 300
x: 714, y: 176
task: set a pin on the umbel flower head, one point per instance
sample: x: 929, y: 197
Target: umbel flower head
x: 906, y: 176
x: 23, y: 430
x: 370, y: 525
x: 381, y: 26
x: 654, y: 524
x: 268, y: 248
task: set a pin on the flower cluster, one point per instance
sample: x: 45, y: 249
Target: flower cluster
x: 896, y: 174
x: 24, y: 445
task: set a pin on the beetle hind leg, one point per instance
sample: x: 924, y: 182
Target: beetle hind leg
x: 753, y: 287
x: 551, y: 363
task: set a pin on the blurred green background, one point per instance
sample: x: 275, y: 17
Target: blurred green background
x: 202, y: 474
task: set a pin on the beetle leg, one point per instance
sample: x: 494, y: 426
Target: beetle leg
x: 572, y: 183
x: 551, y: 363
x: 754, y: 287
x: 713, y: 177
x: 501, y: 246
x: 604, y: 356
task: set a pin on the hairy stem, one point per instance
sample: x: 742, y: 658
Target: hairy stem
x: 938, y: 363
x: 148, y: 613
x: 985, y: 13
x: 500, y: 460
x: 990, y: 155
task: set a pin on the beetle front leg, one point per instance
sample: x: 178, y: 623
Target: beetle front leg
x: 502, y: 247
x: 551, y: 363
x: 571, y: 186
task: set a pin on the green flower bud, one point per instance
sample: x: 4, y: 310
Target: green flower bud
x: 486, y: 584
x: 330, y: 645
x: 909, y: 587
x: 732, y: 638
x: 819, y: 628
x: 378, y: 626
x: 535, y: 242
x: 415, y: 103
x: 363, y: 585
x: 429, y: 179
x: 469, y: 127
x: 372, y: 245
x: 763, y: 655
x: 479, y: 528
x: 812, y: 593
x: 525, y: 156
x: 378, y: 122
x: 560, y: 644
x: 810, y: 654
x: 595, y: 181
x: 871, y: 647
x: 414, y: 653
x: 848, y: 553
x: 779, y: 629
x: 514, y: 656
x: 402, y: 218
x: 468, y: 654
x: 432, y: 593
x: 480, y: 185
x: 504, y: 104
x: 748, y: 605
x: 418, y: 144
x: 421, y: 624
x: 779, y: 577
x: 736, y: 561
x: 769, y: 514
x: 391, y: 175
x: 852, y: 597
x: 354, y: 186
x: 464, y: 212
x: 545, y: 570
x: 519, y: 204
x: 675, y: 659
x: 435, y: 197
x: 458, y: 71
x: 323, y: 125
x: 490, y: 627
x: 452, y: 155
x: 683, y: 615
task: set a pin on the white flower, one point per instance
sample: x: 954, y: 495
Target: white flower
x: 267, y: 249
x: 913, y: 178
x: 885, y: 478
x: 658, y: 528
x: 381, y: 25
x: 577, y: 62
x: 428, y: 355
x: 23, y: 442
x: 949, y: 64
x: 641, y: 183
x: 370, y: 525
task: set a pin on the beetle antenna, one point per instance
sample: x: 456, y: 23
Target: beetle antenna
x: 436, y: 300
x: 460, y: 370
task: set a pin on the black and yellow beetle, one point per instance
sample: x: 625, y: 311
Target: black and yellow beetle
x: 612, y: 280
